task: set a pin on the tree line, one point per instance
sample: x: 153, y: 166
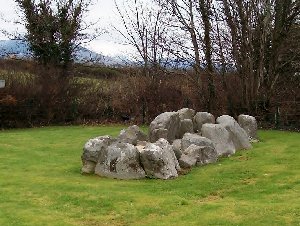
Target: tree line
x: 254, y: 38
x: 243, y: 48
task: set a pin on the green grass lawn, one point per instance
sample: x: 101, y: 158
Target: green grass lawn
x: 41, y: 184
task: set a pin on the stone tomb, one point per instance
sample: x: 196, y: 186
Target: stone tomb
x: 176, y: 142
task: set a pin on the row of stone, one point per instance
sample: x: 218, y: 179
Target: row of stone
x: 173, y: 125
x: 109, y: 157
x: 131, y: 156
x: 114, y: 158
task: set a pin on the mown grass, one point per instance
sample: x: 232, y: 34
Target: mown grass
x: 41, y: 184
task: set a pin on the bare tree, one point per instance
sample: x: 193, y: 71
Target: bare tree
x: 195, y: 18
x: 222, y: 56
x: 258, y: 30
x: 245, y: 36
x: 205, y: 9
x: 145, y: 28
x: 184, y: 12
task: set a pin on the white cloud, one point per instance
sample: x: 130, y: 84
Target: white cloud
x: 103, y: 11
x: 110, y: 48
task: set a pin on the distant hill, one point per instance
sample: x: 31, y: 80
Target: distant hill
x: 20, y: 49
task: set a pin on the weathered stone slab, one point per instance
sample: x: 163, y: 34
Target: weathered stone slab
x: 122, y: 161
x: 177, y: 148
x: 165, y: 125
x: 159, y: 161
x: 186, y: 113
x: 249, y: 124
x: 186, y: 161
x: 132, y: 135
x: 190, y: 138
x: 92, y: 150
x: 201, y: 118
x: 186, y: 126
x: 202, y: 154
x: 238, y: 134
x: 220, y: 138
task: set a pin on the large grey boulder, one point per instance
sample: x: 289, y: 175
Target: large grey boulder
x: 186, y: 126
x: 177, y: 148
x: 189, y: 139
x: 201, y: 118
x: 237, y: 133
x: 122, y: 161
x: 249, y: 124
x: 92, y: 150
x: 132, y: 135
x: 220, y: 138
x: 186, y: 113
x: 159, y: 160
x: 165, y: 125
x: 202, y: 154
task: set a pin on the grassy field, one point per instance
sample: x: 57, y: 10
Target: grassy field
x: 41, y: 184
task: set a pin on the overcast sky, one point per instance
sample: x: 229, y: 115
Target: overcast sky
x: 102, y: 10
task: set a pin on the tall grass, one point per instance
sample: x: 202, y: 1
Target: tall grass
x: 17, y: 79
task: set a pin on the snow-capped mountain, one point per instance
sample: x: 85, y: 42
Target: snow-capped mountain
x: 14, y: 48
x: 20, y: 49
